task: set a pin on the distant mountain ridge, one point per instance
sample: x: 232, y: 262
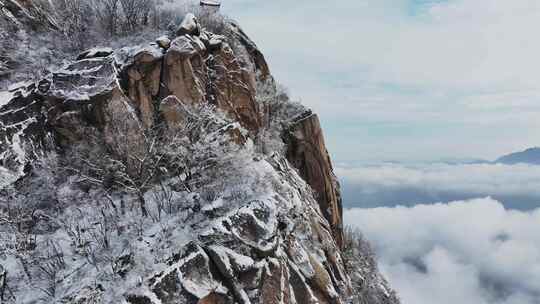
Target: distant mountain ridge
x: 529, y: 156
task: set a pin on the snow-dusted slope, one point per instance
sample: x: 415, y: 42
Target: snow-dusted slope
x: 171, y: 172
x: 20, y: 21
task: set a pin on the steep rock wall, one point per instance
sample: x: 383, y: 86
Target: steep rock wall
x: 306, y: 150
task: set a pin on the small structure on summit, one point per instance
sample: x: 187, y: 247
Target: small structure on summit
x: 211, y: 6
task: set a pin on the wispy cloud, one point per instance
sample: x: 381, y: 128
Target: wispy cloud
x: 469, y: 252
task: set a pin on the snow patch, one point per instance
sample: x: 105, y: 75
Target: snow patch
x: 17, y: 147
x: 214, y: 205
x: 96, y: 50
x: 5, y: 97
x: 7, y: 177
x: 126, y: 55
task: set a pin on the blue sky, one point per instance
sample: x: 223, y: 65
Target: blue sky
x: 407, y: 80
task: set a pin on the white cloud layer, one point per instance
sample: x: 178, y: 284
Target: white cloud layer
x: 392, y: 184
x: 467, y: 252
x: 469, y: 178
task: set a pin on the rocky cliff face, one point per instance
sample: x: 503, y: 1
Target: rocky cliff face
x: 270, y: 233
x: 307, y: 152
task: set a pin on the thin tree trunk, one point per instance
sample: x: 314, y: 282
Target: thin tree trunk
x: 3, y: 283
x: 142, y: 204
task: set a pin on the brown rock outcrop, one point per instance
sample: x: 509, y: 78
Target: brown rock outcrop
x: 194, y: 74
x: 184, y: 70
x: 233, y: 88
x: 143, y: 78
x: 306, y: 150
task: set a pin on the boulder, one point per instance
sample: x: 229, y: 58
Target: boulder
x: 23, y: 132
x: 189, y: 26
x: 163, y: 42
x: 193, y: 75
x: 215, y: 43
x: 230, y: 265
x: 184, y: 70
x: 186, y: 47
x: 322, y: 282
x: 143, y: 77
x: 211, y: 41
x: 188, y: 277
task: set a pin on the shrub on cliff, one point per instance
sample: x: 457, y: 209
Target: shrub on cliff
x: 278, y: 112
x: 369, y: 287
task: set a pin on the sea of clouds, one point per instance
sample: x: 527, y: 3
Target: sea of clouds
x: 467, y: 252
x: 392, y: 184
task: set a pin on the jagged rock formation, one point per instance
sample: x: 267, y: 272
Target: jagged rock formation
x: 272, y: 235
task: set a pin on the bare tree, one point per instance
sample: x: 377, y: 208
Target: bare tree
x: 76, y: 17
x: 136, y: 13
x: 107, y: 12
x: 5, y: 291
x: 48, y: 268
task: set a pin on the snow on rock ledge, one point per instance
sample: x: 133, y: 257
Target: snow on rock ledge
x: 271, y: 250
